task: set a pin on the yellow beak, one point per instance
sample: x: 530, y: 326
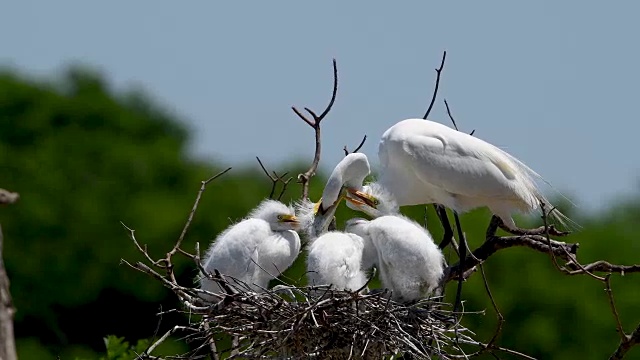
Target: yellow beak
x: 289, y: 219
x: 362, y: 198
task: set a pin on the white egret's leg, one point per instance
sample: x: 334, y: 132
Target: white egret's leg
x: 444, y: 220
x: 463, y: 255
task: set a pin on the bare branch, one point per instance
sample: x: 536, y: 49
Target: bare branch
x: 435, y: 90
x: 193, y: 210
x: 315, y: 124
x: 275, y: 178
x: 626, y: 344
x: 346, y: 151
x: 612, y: 304
x: 494, y: 243
x: 446, y: 104
x: 7, y: 310
x: 602, y: 266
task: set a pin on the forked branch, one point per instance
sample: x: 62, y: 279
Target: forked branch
x: 275, y: 179
x: 346, y: 151
x: 304, y: 178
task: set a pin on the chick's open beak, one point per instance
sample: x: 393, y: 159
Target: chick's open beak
x: 360, y: 198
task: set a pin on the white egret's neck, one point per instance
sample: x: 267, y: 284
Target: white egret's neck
x: 350, y: 172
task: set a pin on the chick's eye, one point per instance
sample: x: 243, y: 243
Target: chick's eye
x: 280, y: 217
x: 376, y: 202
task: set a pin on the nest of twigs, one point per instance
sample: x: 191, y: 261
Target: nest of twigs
x: 318, y: 321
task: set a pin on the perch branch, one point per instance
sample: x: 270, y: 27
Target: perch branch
x: 7, y: 310
x: 435, y: 90
x: 304, y: 178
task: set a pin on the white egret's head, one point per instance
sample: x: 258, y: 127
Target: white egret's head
x: 356, y: 226
x: 280, y: 216
x: 315, y: 220
x: 349, y: 173
x: 373, y: 200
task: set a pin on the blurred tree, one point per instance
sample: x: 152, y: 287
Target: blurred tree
x: 84, y: 158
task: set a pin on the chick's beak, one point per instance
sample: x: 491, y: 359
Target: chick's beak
x: 360, y: 198
x: 289, y: 219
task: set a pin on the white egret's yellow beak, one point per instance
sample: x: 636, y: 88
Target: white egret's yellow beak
x: 360, y: 198
x: 288, y: 219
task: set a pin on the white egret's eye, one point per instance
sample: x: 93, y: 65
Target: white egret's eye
x: 280, y: 217
x: 376, y: 202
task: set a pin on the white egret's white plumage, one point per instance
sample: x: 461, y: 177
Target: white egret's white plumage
x: 256, y: 249
x: 335, y: 257
x: 409, y: 262
x: 425, y: 162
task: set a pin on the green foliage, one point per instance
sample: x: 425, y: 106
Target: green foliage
x: 119, y: 349
x: 84, y: 159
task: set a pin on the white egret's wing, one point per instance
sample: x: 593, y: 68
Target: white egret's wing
x: 464, y: 165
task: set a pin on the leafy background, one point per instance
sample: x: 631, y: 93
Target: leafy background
x: 84, y: 158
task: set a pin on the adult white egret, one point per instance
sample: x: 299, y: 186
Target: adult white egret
x: 256, y: 249
x: 410, y: 264
x: 425, y: 162
x: 335, y: 257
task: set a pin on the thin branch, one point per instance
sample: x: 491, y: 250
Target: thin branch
x: 203, y: 186
x: 275, y: 179
x: 435, y: 90
x: 603, y: 266
x: 346, y: 151
x: 315, y: 124
x: 612, y: 304
x: 446, y: 104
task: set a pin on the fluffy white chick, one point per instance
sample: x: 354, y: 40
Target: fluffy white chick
x: 256, y: 249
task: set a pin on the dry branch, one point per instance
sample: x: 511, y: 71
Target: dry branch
x: 7, y: 310
x: 346, y: 151
x: 315, y: 124
x: 435, y: 89
x: 275, y: 179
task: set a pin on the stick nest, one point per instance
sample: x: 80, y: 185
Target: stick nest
x: 321, y: 322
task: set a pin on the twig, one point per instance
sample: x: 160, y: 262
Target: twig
x: 275, y: 178
x: 315, y: 124
x: 435, y: 90
x: 203, y: 186
x: 612, y: 304
x: 446, y: 104
x: 346, y: 151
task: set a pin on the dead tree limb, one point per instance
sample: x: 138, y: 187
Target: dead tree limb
x: 7, y: 310
x: 315, y: 124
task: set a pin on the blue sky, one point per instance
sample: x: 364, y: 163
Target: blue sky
x: 554, y: 83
